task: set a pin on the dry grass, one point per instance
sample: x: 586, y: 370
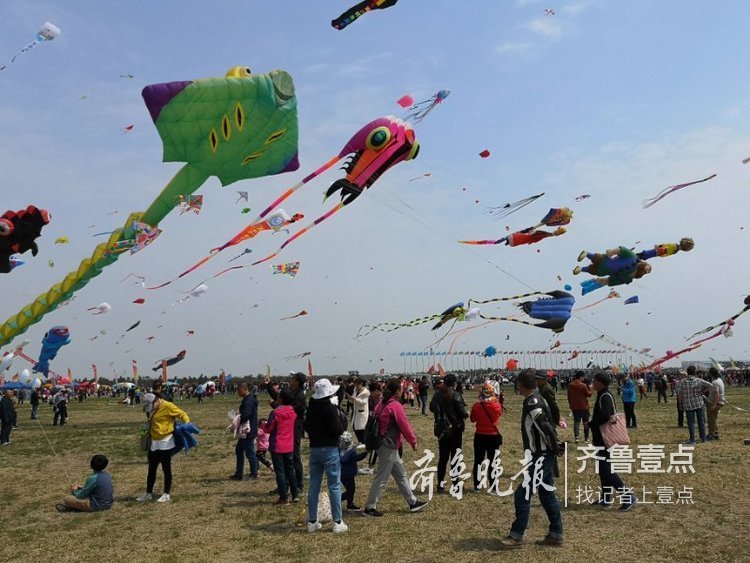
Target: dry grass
x: 212, y: 518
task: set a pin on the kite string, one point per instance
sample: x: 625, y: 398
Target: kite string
x: 54, y: 451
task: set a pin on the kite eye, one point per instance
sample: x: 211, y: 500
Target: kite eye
x: 378, y: 138
x: 413, y: 152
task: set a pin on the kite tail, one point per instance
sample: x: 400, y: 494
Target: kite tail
x: 666, y: 191
x: 498, y: 241
x: 511, y: 319
x: 302, y: 231
x: 505, y: 298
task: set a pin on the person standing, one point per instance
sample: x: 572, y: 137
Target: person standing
x: 485, y: 414
x: 628, y: 402
x: 680, y: 411
x: 578, y: 401
x: 545, y: 390
x: 324, y: 424
x: 161, y: 416
x: 424, y: 388
x: 450, y: 415
x: 604, y: 409
x: 690, y: 393
x: 299, y: 403
x: 245, y: 446
x: 661, y: 388
x: 60, y: 407
x: 540, y: 441
x: 394, y: 426
x: 642, y: 388
x: 34, y: 403
x: 6, y: 417
x: 361, y: 402
x: 715, y: 402
x: 281, y: 430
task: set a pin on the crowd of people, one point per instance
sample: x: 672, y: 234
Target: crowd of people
x: 375, y: 410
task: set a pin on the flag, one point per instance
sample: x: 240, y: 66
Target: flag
x: 164, y: 371
x: 268, y: 372
x: 96, y: 375
x: 70, y: 375
x: 135, y: 371
x: 222, y: 377
x: 309, y: 371
x: 382, y: 371
x: 441, y: 370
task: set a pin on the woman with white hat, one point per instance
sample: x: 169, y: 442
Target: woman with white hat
x: 161, y: 416
x: 324, y: 426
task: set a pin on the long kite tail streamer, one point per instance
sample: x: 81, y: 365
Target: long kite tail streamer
x: 301, y: 232
x: 612, y: 295
x: 502, y: 211
x: 666, y: 191
x: 498, y: 241
x: 395, y: 326
x: 730, y: 320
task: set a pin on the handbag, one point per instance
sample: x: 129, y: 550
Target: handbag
x: 146, y: 437
x: 442, y: 426
x: 614, y: 431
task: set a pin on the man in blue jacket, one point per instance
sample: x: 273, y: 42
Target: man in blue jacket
x: 248, y: 431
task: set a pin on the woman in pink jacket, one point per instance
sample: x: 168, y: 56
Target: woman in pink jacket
x: 394, y: 427
x: 280, y: 428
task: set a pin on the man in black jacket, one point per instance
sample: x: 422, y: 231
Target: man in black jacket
x: 34, y: 403
x: 297, y: 386
x: 540, y: 441
x: 248, y: 431
x: 7, y: 417
x: 450, y: 414
x: 325, y: 423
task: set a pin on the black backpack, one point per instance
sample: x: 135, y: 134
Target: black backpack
x: 372, y: 434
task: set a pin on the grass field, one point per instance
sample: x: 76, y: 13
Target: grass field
x: 212, y: 518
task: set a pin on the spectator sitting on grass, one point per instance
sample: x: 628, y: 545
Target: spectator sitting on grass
x: 97, y: 492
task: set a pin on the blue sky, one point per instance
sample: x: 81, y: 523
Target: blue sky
x: 617, y: 101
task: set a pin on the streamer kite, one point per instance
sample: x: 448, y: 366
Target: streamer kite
x: 373, y: 150
x: 290, y: 268
x: 553, y: 308
x: 48, y: 32
x: 454, y: 312
x: 100, y: 309
x: 187, y: 203
x: 54, y: 339
x: 555, y: 217
x: 631, y: 300
x: 420, y: 110
x: 302, y: 313
x: 731, y: 320
x: 246, y: 251
x: 666, y: 191
x: 612, y: 295
x: 359, y: 10
x: 509, y: 208
x: 169, y: 361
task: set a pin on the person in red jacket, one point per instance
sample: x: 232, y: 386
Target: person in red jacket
x: 485, y: 414
x: 578, y: 401
x: 280, y: 427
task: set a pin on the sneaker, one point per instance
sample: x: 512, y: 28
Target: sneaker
x: 61, y: 508
x: 549, y: 540
x: 576, y: 270
x: 629, y: 505
x: 281, y: 501
x: 235, y: 477
x: 340, y: 527
x: 295, y: 500
x: 581, y: 256
x: 164, y: 498
x: 417, y: 506
x: 511, y: 543
x: 372, y: 512
x: 353, y: 508
x: 366, y: 471
x: 145, y: 497
x: 576, y: 440
x: 313, y: 527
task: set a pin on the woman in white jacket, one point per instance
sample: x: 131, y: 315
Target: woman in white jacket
x: 361, y: 401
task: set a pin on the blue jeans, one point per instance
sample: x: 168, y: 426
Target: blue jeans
x: 328, y: 460
x: 691, y: 424
x: 246, y: 448
x: 423, y: 400
x: 283, y: 466
x: 547, y: 498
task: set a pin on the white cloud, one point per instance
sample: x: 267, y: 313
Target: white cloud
x: 547, y: 26
x: 514, y: 47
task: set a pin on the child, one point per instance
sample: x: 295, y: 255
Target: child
x: 97, y: 492
x: 280, y: 427
x: 349, y: 459
x: 261, y: 445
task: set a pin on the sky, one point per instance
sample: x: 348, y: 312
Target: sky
x: 613, y: 100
